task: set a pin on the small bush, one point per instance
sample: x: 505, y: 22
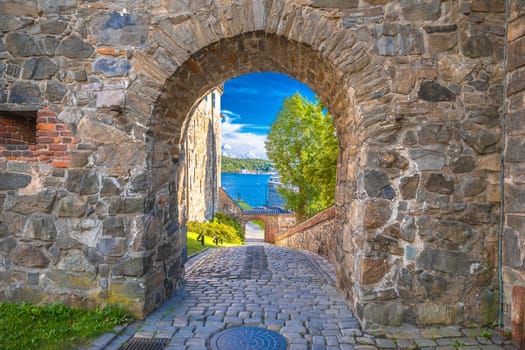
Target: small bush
x: 215, y: 229
x: 228, y: 220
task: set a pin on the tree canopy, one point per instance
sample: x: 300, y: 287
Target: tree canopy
x: 237, y: 165
x: 302, y: 144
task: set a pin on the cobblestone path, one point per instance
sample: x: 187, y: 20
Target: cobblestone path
x: 279, y: 289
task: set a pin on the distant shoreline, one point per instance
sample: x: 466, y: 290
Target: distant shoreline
x: 248, y: 173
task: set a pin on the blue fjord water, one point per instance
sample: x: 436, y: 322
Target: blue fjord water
x: 251, y: 188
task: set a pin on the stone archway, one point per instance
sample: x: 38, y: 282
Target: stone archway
x: 414, y: 88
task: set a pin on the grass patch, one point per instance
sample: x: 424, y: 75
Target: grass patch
x: 54, y: 327
x: 195, y: 247
x: 243, y: 205
x: 258, y: 223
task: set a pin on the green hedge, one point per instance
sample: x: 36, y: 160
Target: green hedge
x: 215, y: 228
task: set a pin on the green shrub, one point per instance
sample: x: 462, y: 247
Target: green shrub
x: 215, y: 229
x: 228, y: 220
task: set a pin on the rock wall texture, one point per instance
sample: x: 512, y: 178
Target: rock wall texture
x: 416, y: 91
x: 202, y: 164
x: 514, y: 155
x: 316, y: 235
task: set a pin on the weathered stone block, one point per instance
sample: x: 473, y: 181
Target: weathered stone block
x: 39, y: 68
x: 384, y: 313
x: 58, y: 6
x: 474, y: 187
x: 28, y: 256
x: 21, y: 45
x: 74, y: 231
x: 477, y: 46
x: 76, y: 261
x: 6, y: 245
x: 110, y: 98
x: 74, y: 47
x: 441, y: 42
x: 48, y: 45
x: 408, y: 229
x: 164, y: 251
x: 120, y: 29
x: 431, y: 313
x: 430, y: 90
x: 110, y: 187
x: 71, y: 281
x: 408, y: 186
x: 120, y: 205
x: 516, y: 81
x: 72, y: 207
x: 515, y: 150
x: 55, y: 91
x: 515, y: 198
x: 443, y: 260
x: 477, y: 214
x: 19, y: 8
x: 488, y: 6
x: 377, y: 184
x: 481, y: 140
x: 111, y: 67
x: 340, y: 4
x: 82, y: 181
x: 511, y: 249
x: 398, y: 40
x: 40, y: 203
x: 376, y: 213
x: 421, y: 10
x: 90, y: 130
x: 130, y: 266
x: 427, y: 159
x: 13, y: 181
x: 52, y: 26
x: 25, y: 92
x: 111, y: 246
x: 126, y: 291
x: 42, y: 227
x: 454, y: 234
x: 438, y: 183
x: 373, y: 270
x: 116, y: 226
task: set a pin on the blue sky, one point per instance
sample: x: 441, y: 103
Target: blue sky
x: 250, y: 104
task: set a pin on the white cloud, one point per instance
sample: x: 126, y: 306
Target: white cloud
x: 232, y: 115
x: 236, y: 143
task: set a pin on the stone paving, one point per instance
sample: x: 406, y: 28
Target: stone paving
x: 283, y: 290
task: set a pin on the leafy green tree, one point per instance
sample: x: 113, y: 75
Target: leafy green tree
x: 236, y: 165
x: 302, y: 145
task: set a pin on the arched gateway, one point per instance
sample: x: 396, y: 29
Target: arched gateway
x: 94, y: 206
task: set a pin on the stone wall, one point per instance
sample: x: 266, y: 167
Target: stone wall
x: 514, y: 219
x: 228, y: 206
x: 202, y: 157
x: 415, y: 88
x: 315, y: 234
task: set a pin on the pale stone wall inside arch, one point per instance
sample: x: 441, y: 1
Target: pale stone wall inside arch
x: 415, y: 89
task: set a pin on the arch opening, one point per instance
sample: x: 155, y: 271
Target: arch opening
x: 211, y: 67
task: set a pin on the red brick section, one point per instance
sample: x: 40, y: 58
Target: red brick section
x: 17, y: 130
x: 46, y: 140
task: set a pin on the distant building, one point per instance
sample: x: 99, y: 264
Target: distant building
x: 274, y: 199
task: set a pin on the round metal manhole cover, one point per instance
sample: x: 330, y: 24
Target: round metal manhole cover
x: 247, y: 338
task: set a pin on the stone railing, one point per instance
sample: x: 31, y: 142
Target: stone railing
x: 315, y: 234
